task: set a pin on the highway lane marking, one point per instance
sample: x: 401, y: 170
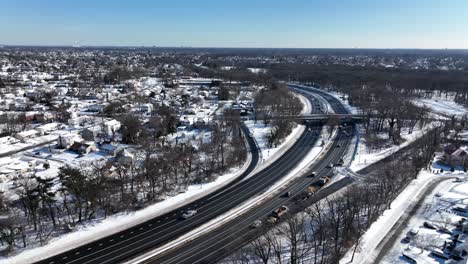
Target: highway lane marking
x: 298, y: 145
x: 320, y: 168
x: 235, y: 227
x: 297, y: 158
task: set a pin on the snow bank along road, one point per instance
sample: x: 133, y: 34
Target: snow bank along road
x: 160, y: 230
x: 221, y: 242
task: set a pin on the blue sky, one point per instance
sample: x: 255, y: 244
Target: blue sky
x: 237, y: 23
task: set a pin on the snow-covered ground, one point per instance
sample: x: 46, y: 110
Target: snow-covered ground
x: 28, y: 143
x: 368, y: 247
x: 103, y: 227
x: 366, y: 156
x: 442, y: 106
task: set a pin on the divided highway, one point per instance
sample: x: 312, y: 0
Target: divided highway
x: 160, y: 230
x: 223, y: 241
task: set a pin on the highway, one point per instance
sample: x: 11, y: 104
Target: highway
x: 160, y: 230
x: 223, y: 241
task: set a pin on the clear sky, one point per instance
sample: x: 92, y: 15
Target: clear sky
x: 237, y: 23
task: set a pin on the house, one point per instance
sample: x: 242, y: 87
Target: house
x: 47, y: 128
x: 65, y: 141
x: 111, y: 126
x: 90, y: 134
x: 82, y: 147
x: 27, y: 134
x: 125, y: 156
x: 455, y: 157
x: 110, y: 149
x: 458, y: 158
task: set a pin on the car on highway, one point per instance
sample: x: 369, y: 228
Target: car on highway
x: 256, y: 224
x: 339, y: 163
x: 272, y: 220
x: 286, y: 194
x: 312, y: 174
x: 330, y: 165
x: 280, y: 211
x: 188, y: 214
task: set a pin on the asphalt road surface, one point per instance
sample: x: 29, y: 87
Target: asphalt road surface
x: 160, y: 230
x: 223, y: 241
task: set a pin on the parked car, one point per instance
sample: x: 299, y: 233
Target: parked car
x: 439, y: 253
x: 429, y: 225
x: 411, y: 234
x: 189, y: 214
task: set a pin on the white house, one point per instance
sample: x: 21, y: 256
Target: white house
x: 27, y: 134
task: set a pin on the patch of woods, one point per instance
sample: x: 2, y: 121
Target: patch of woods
x: 276, y: 106
x: 48, y: 207
x: 325, y: 231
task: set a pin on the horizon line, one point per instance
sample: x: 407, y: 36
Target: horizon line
x: 214, y: 47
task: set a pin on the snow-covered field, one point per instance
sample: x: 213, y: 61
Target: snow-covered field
x: 442, y: 106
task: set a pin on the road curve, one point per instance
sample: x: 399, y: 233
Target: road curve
x: 160, y: 230
x: 222, y: 241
